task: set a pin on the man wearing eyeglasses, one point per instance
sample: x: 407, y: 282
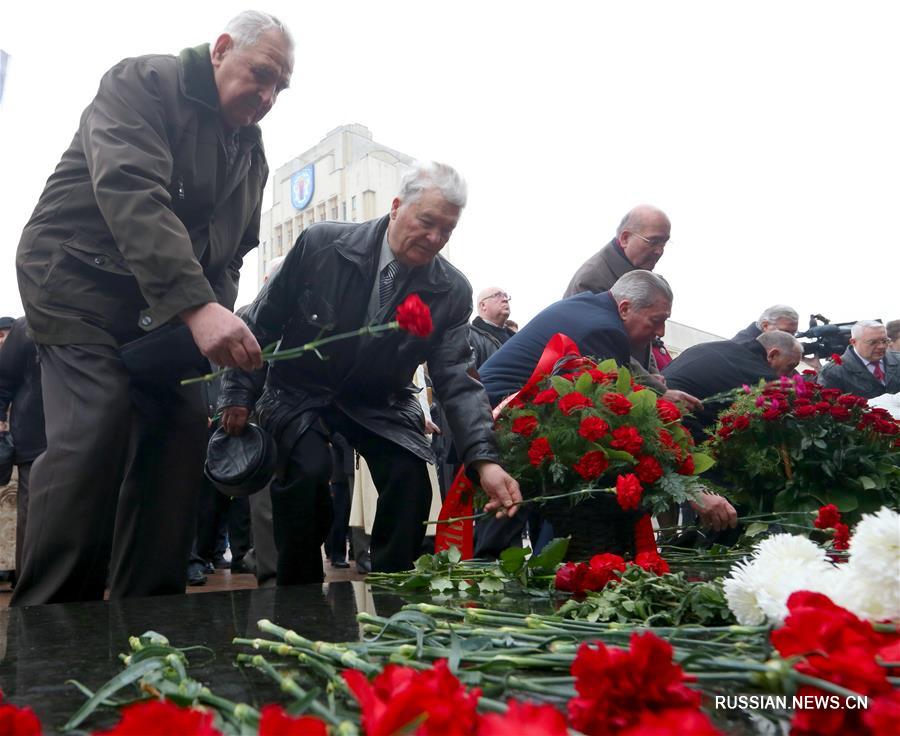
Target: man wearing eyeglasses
x: 488, y: 330
x: 867, y: 368
x: 640, y: 240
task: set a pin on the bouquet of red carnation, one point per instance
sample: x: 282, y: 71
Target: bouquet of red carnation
x: 592, y: 428
x: 793, y: 445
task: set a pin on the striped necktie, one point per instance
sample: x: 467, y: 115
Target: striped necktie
x: 386, y: 284
x: 877, y: 371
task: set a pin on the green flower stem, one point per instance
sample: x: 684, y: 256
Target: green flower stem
x: 290, y: 686
x: 241, y: 712
x: 523, y: 502
x: 270, y: 356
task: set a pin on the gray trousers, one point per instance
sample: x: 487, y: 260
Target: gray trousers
x: 114, y: 496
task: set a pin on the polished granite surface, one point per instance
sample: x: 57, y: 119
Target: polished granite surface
x: 43, y: 646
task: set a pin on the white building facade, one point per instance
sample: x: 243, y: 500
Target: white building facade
x: 346, y: 177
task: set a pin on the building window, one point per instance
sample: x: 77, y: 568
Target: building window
x: 332, y: 203
x: 353, y: 208
x: 322, y: 212
x: 344, y: 210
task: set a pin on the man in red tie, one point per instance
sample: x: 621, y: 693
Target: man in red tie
x: 866, y: 368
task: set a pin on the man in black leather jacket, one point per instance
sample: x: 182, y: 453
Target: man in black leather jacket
x: 488, y: 331
x: 338, y: 277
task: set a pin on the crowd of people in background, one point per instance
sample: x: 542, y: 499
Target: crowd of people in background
x: 128, y: 271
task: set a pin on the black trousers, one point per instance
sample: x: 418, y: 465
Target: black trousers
x: 298, y: 502
x: 114, y: 495
x: 22, y: 512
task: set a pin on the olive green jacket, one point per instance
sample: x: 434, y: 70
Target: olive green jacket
x: 141, y: 219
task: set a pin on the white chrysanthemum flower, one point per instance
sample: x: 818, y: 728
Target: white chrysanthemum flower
x: 788, y: 549
x: 742, y: 594
x: 875, y: 548
x: 864, y: 597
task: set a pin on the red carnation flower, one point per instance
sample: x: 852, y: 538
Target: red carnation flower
x: 830, y: 394
x: 628, y: 491
x: 827, y: 518
x: 883, y: 714
x: 275, y: 722
x: 603, y: 569
x: 572, y: 401
x: 841, y: 413
x: 648, y: 469
x: 547, y: 396
x: 836, y: 359
x: 598, y: 376
x: 616, y: 686
x: 524, y: 425
x: 805, y: 411
x: 741, y: 422
x: 617, y: 403
x: 687, y: 466
x: 725, y: 432
x: 627, y: 439
x: 524, y: 719
x: 592, y: 464
x: 771, y: 414
x: 17, y: 721
x: 671, y: 722
x: 652, y: 562
x: 414, y: 316
x: 570, y: 577
x: 841, y: 539
x: 539, y: 451
x: 593, y: 428
x: 162, y: 718
x: 667, y: 411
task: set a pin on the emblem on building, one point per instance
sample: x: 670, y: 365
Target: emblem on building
x: 303, y: 183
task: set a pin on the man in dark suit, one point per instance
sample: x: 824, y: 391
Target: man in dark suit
x: 713, y: 367
x: 867, y: 368
x: 336, y: 278
x: 777, y: 317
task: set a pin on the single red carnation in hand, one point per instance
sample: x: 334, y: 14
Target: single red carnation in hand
x: 539, y: 451
x: 617, y: 403
x: 652, y: 562
x: 593, y: 428
x: 414, y: 316
x: 592, y: 464
x: 275, y: 722
x: 547, y: 396
x: 524, y: 425
x: 162, y: 718
x: 627, y: 439
x: 841, y: 539
x: 828, y: 517
x: 648, y: 469
x: 628, y: 491
x: 687, y: 466
x: 667, y: 411
x: 15, y: 721
x: 523, y: 719
x: 836, y: 359
x: 574, y: 400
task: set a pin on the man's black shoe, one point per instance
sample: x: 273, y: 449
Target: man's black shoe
x: 239, y: 567
x: 340, y: 563
x: 195, y: 574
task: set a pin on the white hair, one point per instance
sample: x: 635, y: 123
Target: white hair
x: 856, y: 332
x: 777, y: 312
x: 784, y: 341
x: 641, y: 288
x: 433, y: 175
x: 246, y: 28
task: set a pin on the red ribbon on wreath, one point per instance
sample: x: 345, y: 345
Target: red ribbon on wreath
x: 459, y: 499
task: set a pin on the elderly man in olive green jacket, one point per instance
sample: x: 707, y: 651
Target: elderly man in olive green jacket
x: 141, y: 232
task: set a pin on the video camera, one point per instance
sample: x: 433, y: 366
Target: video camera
x: 825, y: 338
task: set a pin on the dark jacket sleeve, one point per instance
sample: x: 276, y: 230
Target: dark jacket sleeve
x: 14, y: 354
x: 267, y: 316
x: 606, y: 343
x: 464, y: 399
x: 128, y: 153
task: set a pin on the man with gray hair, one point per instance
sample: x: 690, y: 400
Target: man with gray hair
x: 128, y: 270
x: 867, y: 367
x: 777, y: 317
x: 336, y: 278
x: 488, y: 331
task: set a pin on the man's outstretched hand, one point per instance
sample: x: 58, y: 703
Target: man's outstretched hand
x: 222, y: 337
x: 502, y: 489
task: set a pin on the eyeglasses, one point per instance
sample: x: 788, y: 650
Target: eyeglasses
x: 502, y: 294
x: 878, y: 341
x: 655, y: 242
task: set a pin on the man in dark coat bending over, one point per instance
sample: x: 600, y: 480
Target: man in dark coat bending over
x: 337, y: 277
